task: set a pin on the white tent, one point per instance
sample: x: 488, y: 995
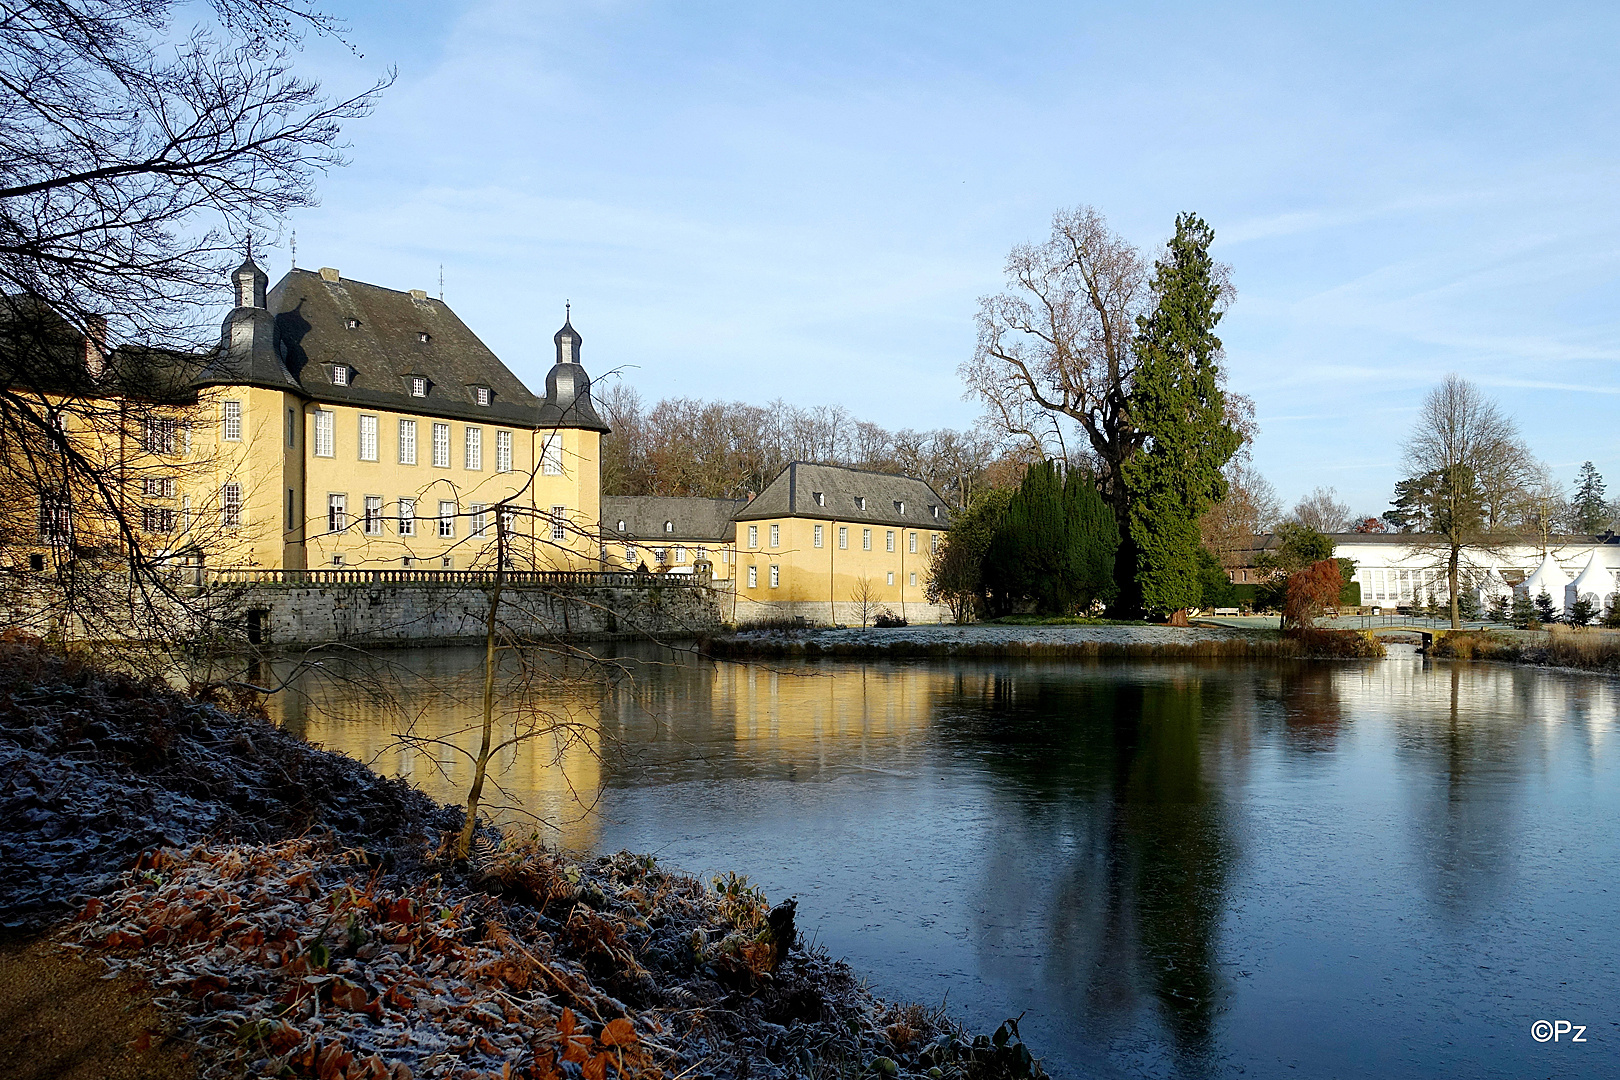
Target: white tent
x: 1594, y: 585
x: 1491, y: 585
x: 1548, y: 577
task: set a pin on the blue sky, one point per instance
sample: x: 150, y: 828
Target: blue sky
x: 752, y: 201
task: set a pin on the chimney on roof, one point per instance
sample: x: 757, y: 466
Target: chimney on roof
x: 418, y: 294
x: 95, y: 345
x: 329, y: 274
x: 751, y: 496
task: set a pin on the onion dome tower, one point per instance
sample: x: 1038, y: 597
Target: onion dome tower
x: 568, y: 388
x: 248, y: 353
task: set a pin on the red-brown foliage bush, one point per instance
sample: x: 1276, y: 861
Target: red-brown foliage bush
x: 1311, y: 591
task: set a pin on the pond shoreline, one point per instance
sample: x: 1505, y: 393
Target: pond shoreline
x: 275, y: 903
x: 990, y: 641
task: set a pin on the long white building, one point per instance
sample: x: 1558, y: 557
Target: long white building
x: 1405, y: 569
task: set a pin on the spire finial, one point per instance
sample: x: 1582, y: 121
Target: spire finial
x: 568, y: 311
x: 295, y: 249
x: 441, y: 283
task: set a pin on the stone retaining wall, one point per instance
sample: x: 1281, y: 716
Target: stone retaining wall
x: 288, y: 616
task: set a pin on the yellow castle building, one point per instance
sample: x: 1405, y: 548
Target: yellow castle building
x: 340, y: 425
x: 343, y: 424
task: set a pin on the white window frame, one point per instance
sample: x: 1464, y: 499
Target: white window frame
x: 680, y: 553
x: 447, y: 518
x: 340, y: 375
x: 753, y: 577
x: 891, y: 577
x: 366, y: 430
x: 776, y: 575
x: 776, y: 536
x: 230, y: 505
x: 551, y: 455
x: 866, y: 539
x: 373, y: 524
x: 418, y: 386
x: 559, y: 522
x: 232, y: 421
x: 325, y: 441
x: 407, y: 516
x: 503, y: 451
x: 843, y: 538
x: 914, y: 579
x: 441, y: 446
x: 629, y: 555
x: 815, y: 536
x: 337, y: 511
x: 407, y: 442
x: 472, y: 453
x: 913, y: 543
x: 480, y: 518
x: 481, y: 395
x: 888, y: 542
x: 753, y: 536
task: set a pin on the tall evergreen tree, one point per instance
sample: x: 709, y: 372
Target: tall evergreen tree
x: 1590, y: 511
x: 1055, y: 543
x: 1177, y: 402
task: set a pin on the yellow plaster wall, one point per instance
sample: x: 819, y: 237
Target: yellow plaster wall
x: 829, y: 574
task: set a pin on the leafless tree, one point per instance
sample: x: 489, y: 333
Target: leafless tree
x: 1251, y: 507
x: 864, y: 595
x: 1466, y: 449
x: 1321, y: 510
x: 134, y: 158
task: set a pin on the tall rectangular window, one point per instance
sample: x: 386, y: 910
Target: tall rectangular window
x: 157, y: 519
x: 158, y: 435
x: 629, y: 555
x: 933, y: 544
x: 776, y: 575
x: 473, y: 456
x: 559, y: 522
x: 230, y: 505
x: 407, y: 516
x: 866, y: 539
x: 913, y: 543
x: 441, y: 446
x: 373, y: 518
x: 233, y: 421
x: 158, y: 487
x: 753, y: 577
x: 447, y: 518
x: 323, y: 433
x: 292, y: 428
x: 54, y: 521
x: 843, y: 536
x: 816, y: 536
x: 891, y: 577
x: 292, y: 509
x: 753, y: 536
x: 368, y: 438
x: 503, y: 451
x: 407, y: 442
x: 480, y: 518
x: 888, y: 540
x: 551, y: 462
x: 776, y: 536
x: 337, y: 512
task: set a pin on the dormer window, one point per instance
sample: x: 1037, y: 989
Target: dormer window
x: 418, y: 386
x: 933, y: 510
x: 481, y: 395
x: 669, y: 526
x: 621, y: 524
x: 423, y: 336
x: 352, y: 324
x: 860, y: 502
x: 340, y: 375
x: 899, y: 506
x: 820, y: 497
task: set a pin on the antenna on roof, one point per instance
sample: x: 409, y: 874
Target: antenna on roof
x: 441, y: 283
x: 295, y: 249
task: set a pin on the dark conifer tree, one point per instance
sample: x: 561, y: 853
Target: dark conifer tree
x: 1054, y: 545
x: 1177, y: 402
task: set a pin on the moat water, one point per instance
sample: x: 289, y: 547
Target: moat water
x: 1380, y: 869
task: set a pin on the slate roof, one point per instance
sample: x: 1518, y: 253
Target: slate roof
x: 384, y: 339
x: 695, y: 520
x: 41, y: 352
x: 792, y: 494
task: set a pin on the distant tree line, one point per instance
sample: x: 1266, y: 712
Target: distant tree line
x: 726, y: 449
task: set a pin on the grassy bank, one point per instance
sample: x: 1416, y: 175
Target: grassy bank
x: 1586, y: 649
x: 1257, y: 645
x: 270, y: 908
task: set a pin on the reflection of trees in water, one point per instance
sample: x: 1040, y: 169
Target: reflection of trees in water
x: 1307, y: 696
x: 1115, y: 766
